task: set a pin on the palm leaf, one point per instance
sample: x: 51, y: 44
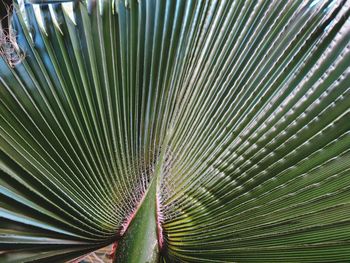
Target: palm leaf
x: 180, y: 131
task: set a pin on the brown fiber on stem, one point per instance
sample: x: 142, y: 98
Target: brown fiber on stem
x: 6, y: 9
x: 8, y: 43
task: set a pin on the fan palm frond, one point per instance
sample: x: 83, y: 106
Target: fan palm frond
x: 179, y: 131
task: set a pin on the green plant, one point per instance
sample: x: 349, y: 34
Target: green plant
x: 180, y: 131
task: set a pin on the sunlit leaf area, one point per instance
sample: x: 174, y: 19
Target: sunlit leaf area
x: 139, y: 131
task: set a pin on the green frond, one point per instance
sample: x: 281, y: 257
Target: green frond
x: 180, y: 131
